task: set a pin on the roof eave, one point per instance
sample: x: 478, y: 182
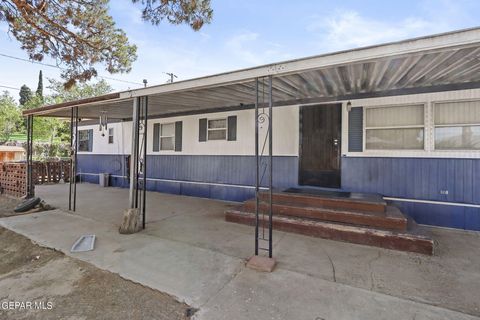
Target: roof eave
x: 64, y: 105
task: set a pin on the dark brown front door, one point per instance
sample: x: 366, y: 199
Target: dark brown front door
x: 320, y: 132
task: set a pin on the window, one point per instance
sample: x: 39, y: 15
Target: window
x: 457, y: 125
x: 393, y: 128
x: 217, y: 129
x: 167, y: 136
x: 85, y: 140
x: 110, y: 135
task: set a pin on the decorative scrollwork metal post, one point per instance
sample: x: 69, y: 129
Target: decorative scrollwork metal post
x: 138, y: 172
x: 262, y: 118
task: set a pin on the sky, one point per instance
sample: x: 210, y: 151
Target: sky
x: 248, y: 33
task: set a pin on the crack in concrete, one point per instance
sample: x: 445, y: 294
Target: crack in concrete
x: 332, y: 264
x: 372, y: 275
x: 275, y: 245
x: 234, y: 275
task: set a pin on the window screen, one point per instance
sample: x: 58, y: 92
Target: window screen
x: 85, y: 140
x: 395, y: 128
x: 457, y: 125
x: 110, y: 135
x: 167, y: 136
x: 217, y: 129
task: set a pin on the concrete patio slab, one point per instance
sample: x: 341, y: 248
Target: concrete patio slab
x: 284, y: 294
x: 189, y: 273
x: 189, y: 251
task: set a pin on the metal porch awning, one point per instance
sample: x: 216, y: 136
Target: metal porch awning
x: 449, y: 61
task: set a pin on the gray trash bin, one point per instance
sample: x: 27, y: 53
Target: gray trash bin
x: 104, y: 179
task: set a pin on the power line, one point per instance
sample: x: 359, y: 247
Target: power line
x: 58, y: 67
x: 8, y: 87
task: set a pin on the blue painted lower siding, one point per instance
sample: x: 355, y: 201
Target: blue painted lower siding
x: 460, y: 217
x: 235, y: 172
x: 408, y: 178
x: 421, y: 179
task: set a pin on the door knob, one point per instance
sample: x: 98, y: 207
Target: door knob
x: 335, y: 142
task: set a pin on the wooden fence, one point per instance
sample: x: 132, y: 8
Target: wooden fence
x: 13, y: 175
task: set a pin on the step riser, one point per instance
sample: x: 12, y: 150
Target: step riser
x: 325, y: 215
x: 313, y: 201
x: 394, y: 242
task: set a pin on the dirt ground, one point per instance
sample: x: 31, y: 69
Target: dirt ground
x: 66, y: 288
x: 7, y: 204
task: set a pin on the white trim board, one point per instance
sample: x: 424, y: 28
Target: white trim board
x: 184, y: 181
x: 456, y: 204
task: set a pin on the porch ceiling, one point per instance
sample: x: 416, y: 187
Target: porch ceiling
x: 443, y: 62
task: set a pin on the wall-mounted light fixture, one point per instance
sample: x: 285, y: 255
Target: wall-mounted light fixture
x: 349, y: 106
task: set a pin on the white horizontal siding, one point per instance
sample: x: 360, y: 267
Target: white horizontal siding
x: 285, y: 135
x: 285, y: 131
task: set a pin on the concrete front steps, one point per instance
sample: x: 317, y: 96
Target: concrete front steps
x: 355, y: 218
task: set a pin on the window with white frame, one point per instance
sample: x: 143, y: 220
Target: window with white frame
x: 395, y: 127
x: 85, y: 140
x: 110, y: 135
x: 167, y: 136
x: 217, y: 129
x: 457, y: 125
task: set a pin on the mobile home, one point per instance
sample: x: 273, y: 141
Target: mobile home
x: 401, y: 120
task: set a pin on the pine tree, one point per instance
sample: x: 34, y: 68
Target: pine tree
x: 82, y: 35
x: 25, y: 94
x: 39, y: 91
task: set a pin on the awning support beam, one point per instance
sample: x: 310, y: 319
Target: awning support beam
x: 264, y: 117
x: 72, y: 197
x: 138, y: 163
x: 30, y: 192
x: 270, y: 153
x: 134, y: 156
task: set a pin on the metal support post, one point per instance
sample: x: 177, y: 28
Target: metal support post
x: 270, y: 150
x: 134, y: 156
x: 264, y: 117
x: 72, y: 196
x: 138, y: 159
x: 144, y: 190
x: 70, y: 181
x: 257, y: 169
x: 30, y: 192
x: 75, y: 161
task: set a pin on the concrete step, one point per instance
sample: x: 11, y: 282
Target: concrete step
x: 387, y: 239
x: 391, y: 219
x: 342, y: 201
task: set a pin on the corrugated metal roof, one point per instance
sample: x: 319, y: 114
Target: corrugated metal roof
x: 447, y: 61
